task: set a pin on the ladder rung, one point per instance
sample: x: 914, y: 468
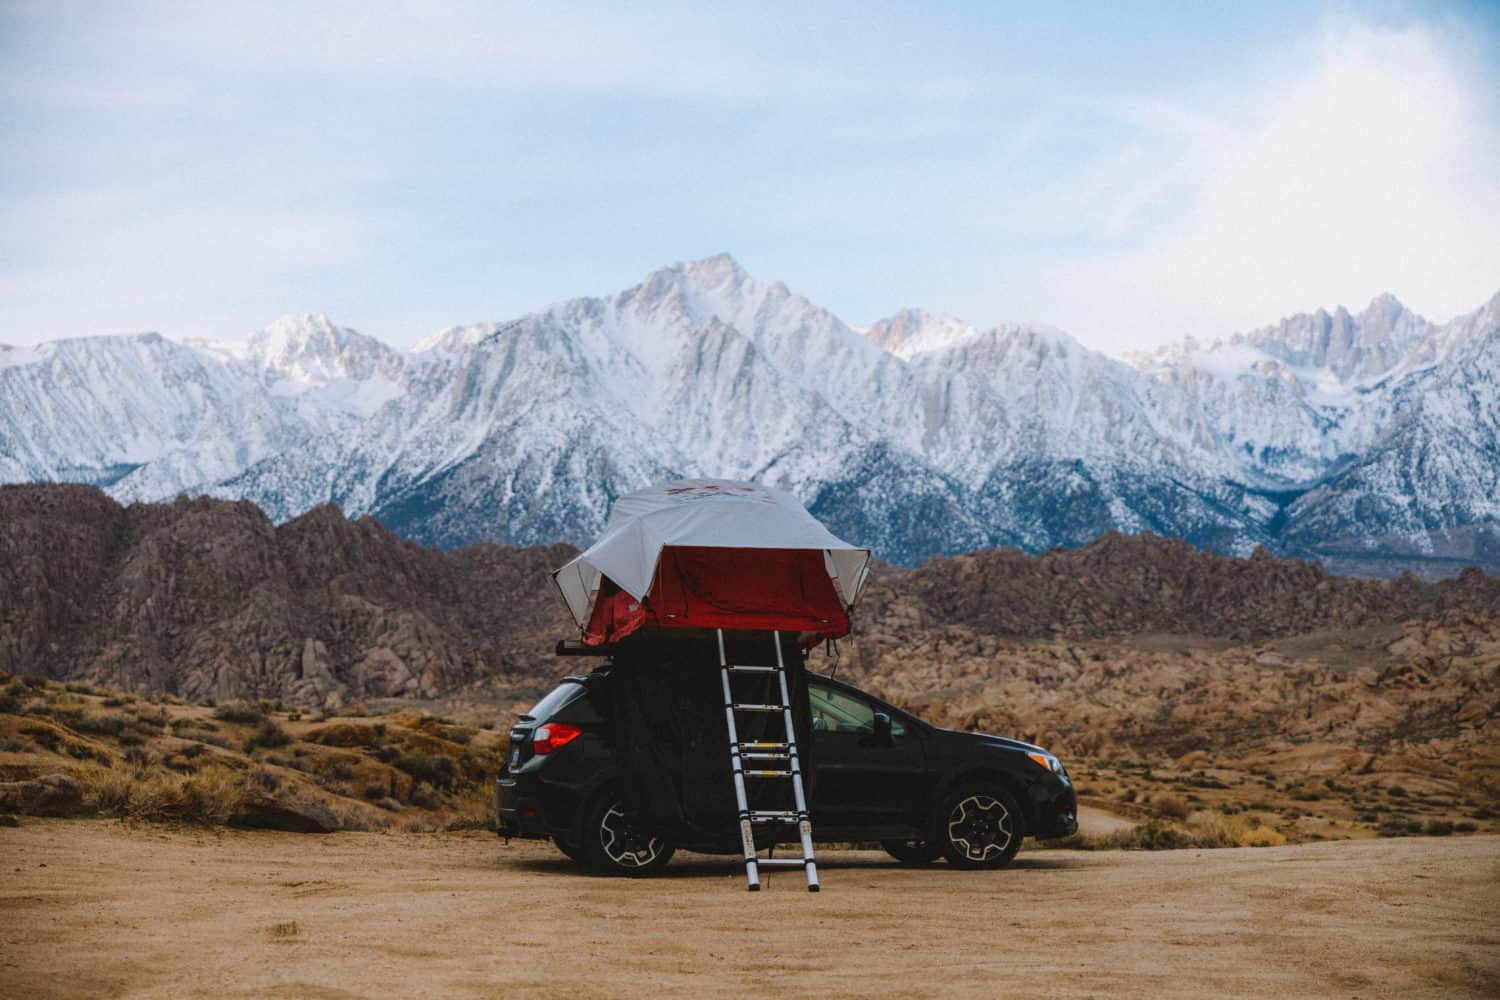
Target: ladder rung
x: 763, y: 745
x: 759, y: 708
x: 768, y: 774
x: 762, y: 816
x: 765, y: 756
x: 783, y: 862
x: 745, y: 668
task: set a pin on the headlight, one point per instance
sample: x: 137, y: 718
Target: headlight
x: 1048, y: 761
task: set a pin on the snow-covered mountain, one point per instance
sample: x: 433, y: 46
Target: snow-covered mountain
x: 1367, y: 440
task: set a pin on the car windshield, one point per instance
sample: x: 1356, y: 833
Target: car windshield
x: 836, y: 712
x: 556, y: 699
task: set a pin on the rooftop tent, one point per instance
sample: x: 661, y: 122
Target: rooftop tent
x: 713, y: 553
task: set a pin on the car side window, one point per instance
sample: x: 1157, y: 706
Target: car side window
x: 837, y: 712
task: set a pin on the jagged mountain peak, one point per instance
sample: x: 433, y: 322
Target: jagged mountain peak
x: 310, y: 347
x: 456, y: 338
x: 910, y: 331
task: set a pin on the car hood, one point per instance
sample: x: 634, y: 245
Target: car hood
x: 999, y: 742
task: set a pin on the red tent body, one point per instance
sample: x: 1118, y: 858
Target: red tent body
x: 732, y: 588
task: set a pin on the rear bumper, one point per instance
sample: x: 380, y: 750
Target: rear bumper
x: 518, y: 809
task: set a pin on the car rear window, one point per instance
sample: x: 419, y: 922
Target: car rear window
x: 555, y: 700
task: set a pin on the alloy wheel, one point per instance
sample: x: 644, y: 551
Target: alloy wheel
x: 623, y: 844
x: 981, y: 827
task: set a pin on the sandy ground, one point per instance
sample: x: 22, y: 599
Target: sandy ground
x: 94, y: 908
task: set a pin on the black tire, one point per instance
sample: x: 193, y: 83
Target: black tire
x: 613, y: 846
x: 979, y: 827
x: 912, y: 852
x: 573, y: 851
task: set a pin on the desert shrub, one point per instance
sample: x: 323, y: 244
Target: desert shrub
x: 1465, y: 826
x: 424, y: 796
x: 267, y: 734
x: 67, y: 712
x: 1438, y: 828
x: 352, y: 816
x: 438, y: 771
x: 348, y: 734
x: 99, y: 725
x: 239, y: 713
x: 14, y: 746
x: 475, y: 810
x: 1171, y: 806
x: 12, y: 697
x: 46, y: 738
x: 189, y: 722
x: 33, y: 681
x: 138, y: 757
x: 131, y: 738
x: 1263, y: 836
x: 1153, y: 836
x: 177, y: 762
x: 1396, y: 792
x: 263, y: 779
x: 387, y: 803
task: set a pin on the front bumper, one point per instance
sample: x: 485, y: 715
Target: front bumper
x: 1054, y: 810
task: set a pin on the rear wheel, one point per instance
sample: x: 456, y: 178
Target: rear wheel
x: 615, y: 845
x: 980, y: 827
x: 912, y: 852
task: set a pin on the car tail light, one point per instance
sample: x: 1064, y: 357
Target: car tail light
x: 548, y: 738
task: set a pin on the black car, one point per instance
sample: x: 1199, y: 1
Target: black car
x: 879, y: 774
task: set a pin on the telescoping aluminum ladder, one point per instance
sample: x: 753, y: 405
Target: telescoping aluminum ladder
x: 763, y: 760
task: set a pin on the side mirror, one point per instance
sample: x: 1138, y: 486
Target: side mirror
x: 881, y: 737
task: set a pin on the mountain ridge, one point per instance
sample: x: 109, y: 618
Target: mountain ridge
x: 920, y: 434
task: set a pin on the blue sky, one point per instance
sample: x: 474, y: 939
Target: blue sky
x: 1131, y: 174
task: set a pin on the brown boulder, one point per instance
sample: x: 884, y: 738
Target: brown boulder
x: 49, y: 795
x: 289, y: 812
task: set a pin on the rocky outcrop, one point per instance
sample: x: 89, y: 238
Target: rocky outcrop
x: 1142, y: 584
x: 208, y: 599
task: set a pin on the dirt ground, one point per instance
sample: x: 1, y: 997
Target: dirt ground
x: 95, y: 908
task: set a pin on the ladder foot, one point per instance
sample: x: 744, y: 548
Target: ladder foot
x: 755, y: 887
x: 812, y: 888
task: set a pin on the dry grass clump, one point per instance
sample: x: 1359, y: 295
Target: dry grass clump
x: 210, y: 795
x: 1215, y: 829
x: 1202, y: 830
x: 268, y: 734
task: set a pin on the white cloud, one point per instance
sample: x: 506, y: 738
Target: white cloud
x: 1378, y: 170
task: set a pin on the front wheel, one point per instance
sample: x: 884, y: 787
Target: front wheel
x: 614, y: 845
x: 979, y: 828
x: 912, y: 852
